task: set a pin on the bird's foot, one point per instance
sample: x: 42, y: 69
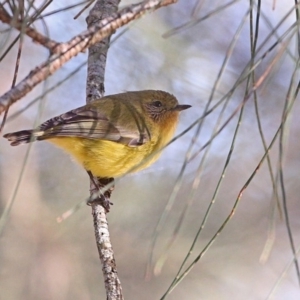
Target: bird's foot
x: 99, y: 198
x: 101, y: 189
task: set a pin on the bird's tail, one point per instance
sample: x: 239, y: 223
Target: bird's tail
x: 23, y: 137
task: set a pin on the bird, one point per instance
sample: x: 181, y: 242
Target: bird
x: 114, y: 135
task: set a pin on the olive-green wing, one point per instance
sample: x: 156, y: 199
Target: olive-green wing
x: 89, y: 122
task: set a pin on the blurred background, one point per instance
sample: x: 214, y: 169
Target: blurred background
x: 200, y: 51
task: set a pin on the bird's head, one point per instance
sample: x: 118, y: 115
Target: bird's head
x: 161, y: 105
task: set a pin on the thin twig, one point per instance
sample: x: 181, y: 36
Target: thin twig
x: 76, y: 45
x: 196, y: 181
x: 179, y: 277
x: 31, y: 32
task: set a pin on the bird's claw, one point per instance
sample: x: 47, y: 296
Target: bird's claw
x: 97, y: 198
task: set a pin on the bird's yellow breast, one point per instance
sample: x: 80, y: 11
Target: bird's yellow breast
x: 107, y: 159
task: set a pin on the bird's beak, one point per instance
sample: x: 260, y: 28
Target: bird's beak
x: 181, y: 107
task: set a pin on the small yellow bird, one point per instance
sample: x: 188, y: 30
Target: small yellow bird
x: 114, y: 135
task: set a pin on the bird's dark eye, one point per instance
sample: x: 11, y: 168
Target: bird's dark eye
x: 157, y: 103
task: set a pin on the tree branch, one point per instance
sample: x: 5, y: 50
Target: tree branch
x: 94, y: 34
x: 98, y: 51
x: 32, y: 33
x: 95, y: 90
